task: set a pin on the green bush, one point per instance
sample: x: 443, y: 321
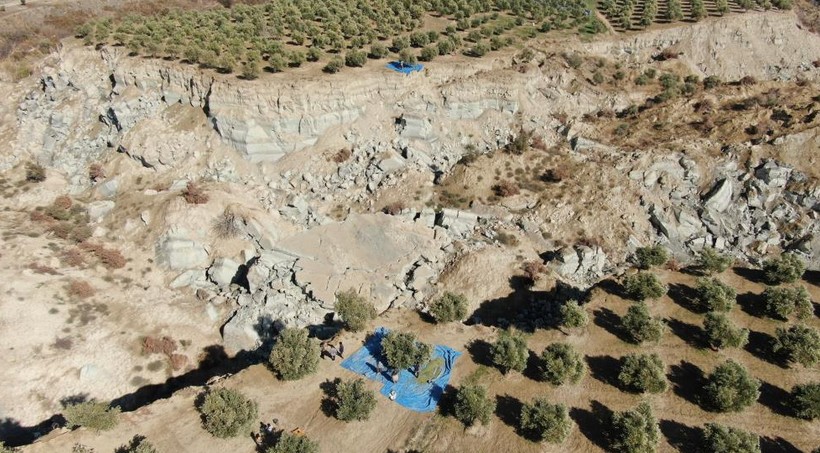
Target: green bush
x: 805, y: 400
x: 730, y: 388
x: 401, y: 350
x: 561, y: 364
x: 782, y: 301
x: 786, y: 269
x: 710, y: 261
x: 294, y: 355
x: 94, y: 415
x: 647, y: 257
x: 798, y: 344
x: 725, y: 439
x: 644, y: 285
x: 35, y: 173
x: 449, y: 307
x: 712, y: 82
x: 293, y: 443
x: 634, y: 431
x: 509, y: 352
x: 138, y: 444
x: 643, y: 373
x: 546, y: 422
x: 355, y: 311
x: 354, y: 401
x: 473, y: 405
x: 714, y: 295
x: 573, y: 316
x: 721, y: 333
x: 227, y: 413
x: 640, y: 326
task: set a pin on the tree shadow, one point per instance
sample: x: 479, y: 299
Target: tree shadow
x: 533, y: 363
x: 680, y: 436
x: 480, y: 352
x: 753, y: 275
x: 761, y: 346
x: 687, y: 381
x: 523, y: 308
x: 330, y: 403
x: 691, y: 334
x: 447, y: 403
x: 776, y: 445
x: 605, y: 368
x: 775, y: 398
x: 686, y: 297
x: 752, y: 304
x: 611, y: 322
x: 594, y: 423
x: 613, y: 287
x: 508, y: 410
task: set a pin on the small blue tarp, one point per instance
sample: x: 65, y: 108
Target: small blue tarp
x: 404, y: 68
x: 420, y: 397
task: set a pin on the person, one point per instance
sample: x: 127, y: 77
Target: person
x: 393, y: 395
x: 333, y: 352
x: 341, y: 350
x: 269, y: 428
x: 379, y: 369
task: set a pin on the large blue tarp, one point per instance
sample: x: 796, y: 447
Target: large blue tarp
x: 404, y: 68
x: 420, y: 397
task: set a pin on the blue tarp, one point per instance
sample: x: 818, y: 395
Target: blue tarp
x: 420, y: 397
x: 404, y: 68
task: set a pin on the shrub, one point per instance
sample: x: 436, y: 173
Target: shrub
x: 428, y: 53
x: 714, y: 295
x: 805, y: 400
x: 509, y: 352
x: 730, y: 388
x: 634, y: 431
x: 644, y: 285
x: 573, y: 316
x: 293, y: 443
x: 81, y: 289
x: 378, y: 50
x: 94, y: 415
x: 449, y: 307
x: 473, y: 405
x: 251, y: 68
x: 193, y: 194
x: 786, y: 269
x: 228, y: 224
x: 138, y: 444
x: 77, y: 448
x: 561, y: 364
x: 401, y: 350
x: 781, y: 302
x: 533, y: 270
x: 798, y: 344
x: 406, y: 56
x: 506, y: 189
x: 334, y: 65
x: 355, y: 311
x: 721, y: 333
x: 35, y: 173
x: 355, y: 58
x: 643, y: 373
x: 400, y: 43
x: 227, y: 413
x: 655, y: 255
x: 354, y: 401
x: 711, y: 82
x: 711, y: 262
x: 640, y: 326
x: 294, y: 355
x: 546, y: 422
x: 313, y: 54
x: 725, y: 439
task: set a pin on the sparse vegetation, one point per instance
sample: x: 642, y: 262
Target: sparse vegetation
x: 509, y: 352
x: 228, y: 224
x: 644, y: 285
x: 35, y: 173
x: 354, y: 401
x: 561, y: 364
x: 194, y: 194
x: 643, y: 373
x: 546, y: 422
x: 730, y: 388
x: 449, y: 307
x: 94, y: 415
x: 472, y: 405
x: 355, y: 311
x: 227, y: 413
x: 294, y: 355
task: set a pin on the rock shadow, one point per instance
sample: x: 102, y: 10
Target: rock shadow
x: 611, y: 286
x: 604, y: 368
x: 480, y: 352
x: 692, y: 334
x: 687, y: 381
x: 523, y: 309
x: 611, y: 322
x: 752, y: 275
x: 686, y: 297
x: 681, y: 437
x: 593, y: 423
x: 812, y: 277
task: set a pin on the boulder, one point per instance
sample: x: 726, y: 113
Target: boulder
x: 582, y: 265
x: 460, y: 223
x: 108, y: 189
x: 223, y: 271
x: 720, y: 197
x: 177, y: 252
x: 98, y: 209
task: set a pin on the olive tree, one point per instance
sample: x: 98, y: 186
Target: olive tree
x: 634, y: 431
x: 546, y: 422
x: 94, y: 415
x: 798, y: 344
x: 710, y: 261
x: 354, y: 310
x: 647, y: 257
x: 805, y: 400
x: 354, y: 401
x: 722, y: 333
x: 640, y: 327
x: 783, y: 301
x: 294, y: 443
x: 725, y: 439
x: 473, y: 405
x: 294, y: 355
x: 644, y: 285
x: 561, y: 364
x: 643, y: 373
x: 227, y: 413
x: 788, y: 268
x: 509, y: 352
x: 573, y: 316
x: 138, y: 444
x: 449, y: 307
x: 714, y: 295
x: 730, y: 388
x: 401, y: 350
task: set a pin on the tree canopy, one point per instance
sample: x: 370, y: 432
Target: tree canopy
x: 730, y: 388
x: 294, y: 355
x: 561, y: 364
x: 509, y: 352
